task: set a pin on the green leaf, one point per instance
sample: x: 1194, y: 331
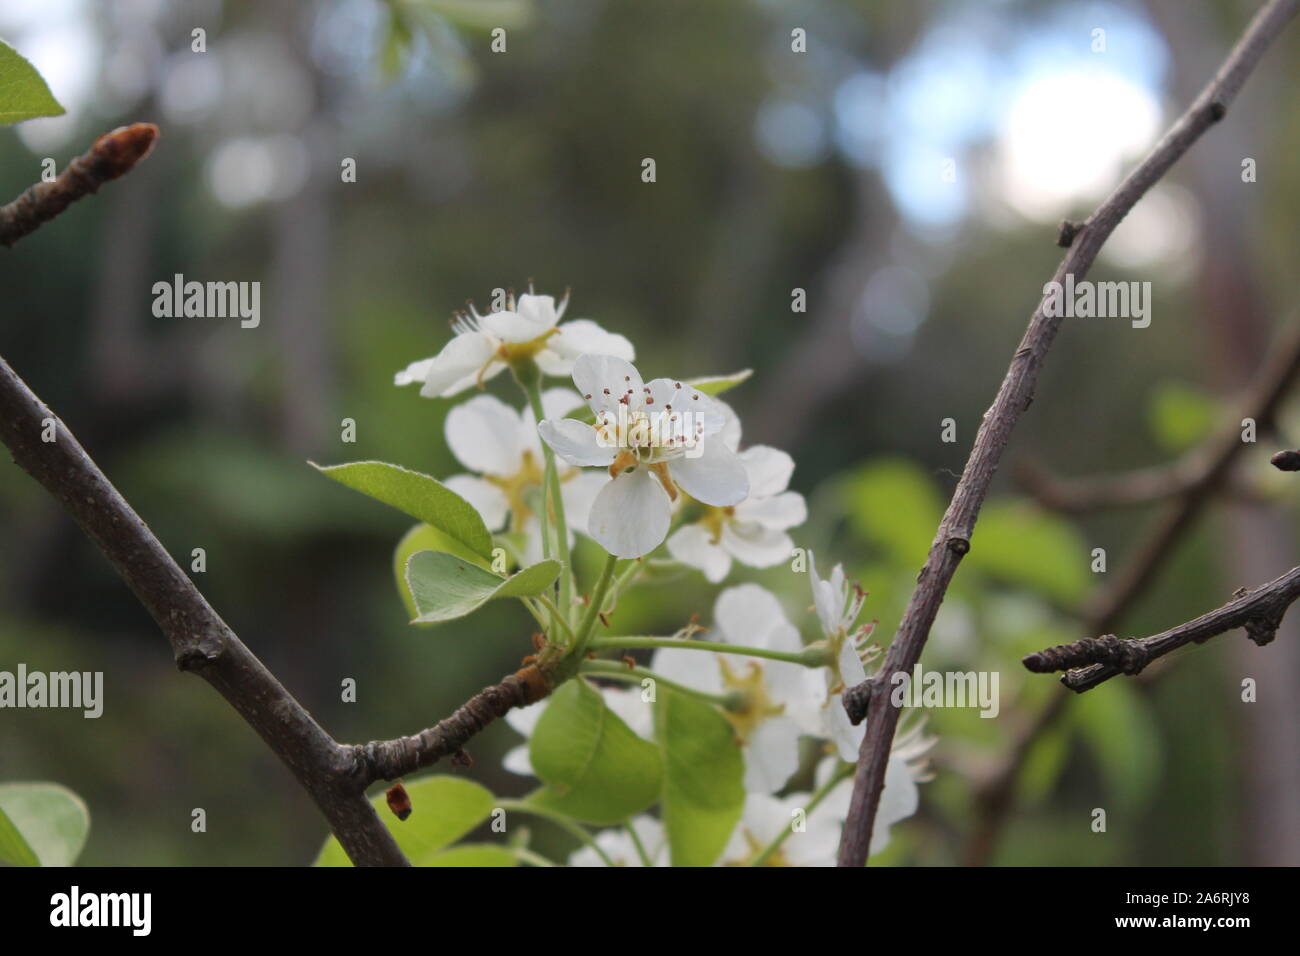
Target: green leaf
x: 703, y: 792
x: 423, y: 537
x: 1180, y: 416
x: 23, y: 94
x: 1119, y: 729
x: 52, y: 819
x: 596, y: 768
x: 443, y: 809
x: 892, y: 503
x: 14, y: 850
x: 1022, y: 545
x: 474, y: 854
x: 419, y: 496
x: 718, y: 384
x: 445, y: 587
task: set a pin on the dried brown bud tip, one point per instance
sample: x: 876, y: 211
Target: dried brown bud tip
x: 1286, y: 461
x: 115, y: 153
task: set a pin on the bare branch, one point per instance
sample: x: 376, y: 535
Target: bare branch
x: 201, y: 641
x: 952, y: 539
x: 113, y: 154
x: 1259, y: 611
x: 995, y: 797
x: 389, y: 759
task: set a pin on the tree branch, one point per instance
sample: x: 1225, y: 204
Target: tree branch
x: 1276, y: 379
x: 335, y: 775
x: 389, y: 759
x: 952, y: 539
x: 1094, y: 660
x: 113, y: 154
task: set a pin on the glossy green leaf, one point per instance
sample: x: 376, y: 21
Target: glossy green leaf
x: 14, y: 850
x: 443, y: 809
x: 596, y: 769
x: 23, y: 93
x: 1024, y: 546
x: 473, y: 854
x: 703, y: 781
x: 423, y: 537
x: 52, y: 819
x: 892, y: 503
x: 718, y: 384
x: 445, y: 587
x: 419, y: 496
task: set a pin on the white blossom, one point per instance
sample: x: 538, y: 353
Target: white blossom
x: 529, y: 328
x: 754, y: 531
x: 776, y: 699
x: 653, y: 438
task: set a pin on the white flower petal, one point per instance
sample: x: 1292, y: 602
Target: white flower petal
x: 695, y: 669
x: 851, y: 670
x: 458, y: 364
x: 749, y: 614
x: 578, y: 493
x: 769, y: 470
x: 772, y: 755
x: 585, y: 337
x: 415, y: 373
x: 558, y: 402
x: 483, y: 434
x: 827, y: 599
x: 576, y: 442
x: 638, y: 714
x: 517, y: 761
x: 716, y: 477
x: 630, y: 515
x: 488, y: 500
x: 898, y: 800
x: 538, y: 309
x: 512, y: 327
x: 694, y: 545
x: 756, y: 546
x: 605, y: 379
x: 846, y: 737
x: 786, y: 510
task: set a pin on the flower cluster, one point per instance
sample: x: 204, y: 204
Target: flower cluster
x: 638, y: 466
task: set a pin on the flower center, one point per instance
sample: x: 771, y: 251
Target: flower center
x: 715, y: 519
x: 749, y: 680
x: 517, y: 487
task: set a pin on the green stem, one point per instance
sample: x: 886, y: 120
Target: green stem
x: 593, y: 612
x: 559, y: 617
x: 843, y: 772
x: 560, y: 820
x: 533, y: 389
x: 619, y: 671
x: 815, y: 656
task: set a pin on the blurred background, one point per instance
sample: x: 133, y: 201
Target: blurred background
x: 907, y: 173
